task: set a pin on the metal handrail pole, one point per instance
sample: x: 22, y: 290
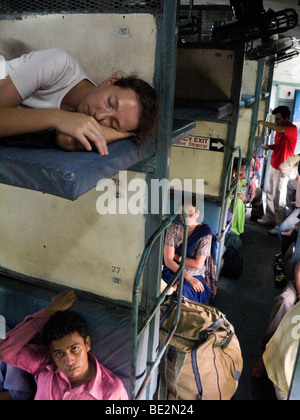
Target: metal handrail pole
x: 177, y: 315
x: 165, y: 224
x: 136, y: 289
x: 135, y: 295
x: 228, y: 189
x: 160, y: 300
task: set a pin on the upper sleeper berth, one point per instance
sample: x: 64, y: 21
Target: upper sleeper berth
x: 248, y: 100
x: 34, y: 162
x: 204, y: 110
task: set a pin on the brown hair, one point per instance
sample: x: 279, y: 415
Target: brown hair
x: 147, y: 98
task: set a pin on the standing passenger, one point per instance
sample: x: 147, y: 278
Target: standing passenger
x: 284, y: 147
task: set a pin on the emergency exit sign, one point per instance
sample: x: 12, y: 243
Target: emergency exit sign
x: 202, y: 143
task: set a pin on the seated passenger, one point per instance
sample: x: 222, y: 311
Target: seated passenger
x: 255, y: 165
x: 283, y: 259
x: 200, y: 278
x: 254, y: 196
x: 15, y: 384
x: 238, y: 221
x: 281, y: 353
x: 282, y: 305
x: 64, y: 369
x: 48, y: 89
x: 290, y: 168
x: 288, y: 230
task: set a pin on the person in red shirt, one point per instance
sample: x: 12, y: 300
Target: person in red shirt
x: 283, y: 147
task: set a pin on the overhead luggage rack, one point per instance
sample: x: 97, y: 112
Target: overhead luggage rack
x: 204, y: 19
x: 13, y: 7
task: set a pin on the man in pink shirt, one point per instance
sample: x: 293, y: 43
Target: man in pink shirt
x: 64, y: 369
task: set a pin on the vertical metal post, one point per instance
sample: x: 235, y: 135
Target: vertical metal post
x: 165, y: 81
x: 136, y: 331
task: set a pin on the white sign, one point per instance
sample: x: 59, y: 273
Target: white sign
x: 202, y: 143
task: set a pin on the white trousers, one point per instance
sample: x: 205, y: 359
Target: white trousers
x: 276, y: 196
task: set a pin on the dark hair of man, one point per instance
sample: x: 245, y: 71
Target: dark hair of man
x: 283, y: 110
x: 62, y: 324
x: 147, y: 98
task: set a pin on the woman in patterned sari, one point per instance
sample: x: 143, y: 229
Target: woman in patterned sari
x: 200, y: 278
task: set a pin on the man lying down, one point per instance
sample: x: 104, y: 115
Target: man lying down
x: 63, y: 368
x: 48, y: 89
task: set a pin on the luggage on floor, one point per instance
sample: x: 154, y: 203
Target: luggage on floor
x: 233, y: 260
x: 203, y: 360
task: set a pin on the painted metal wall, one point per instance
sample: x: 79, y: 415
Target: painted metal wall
x: 199, y: 162
x: 66, y: 242
x: 71, y: 243
x: 203, y: 75
x: 102, y: 43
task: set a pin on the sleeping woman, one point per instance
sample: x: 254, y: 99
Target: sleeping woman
x: 200, y: 278
x: 48, y: 89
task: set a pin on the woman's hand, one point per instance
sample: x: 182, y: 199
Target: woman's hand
x: 76, y: 131
x: 61, y: 302
x: 196, y: 284
x: 84, y: 139
x: 242, y: 197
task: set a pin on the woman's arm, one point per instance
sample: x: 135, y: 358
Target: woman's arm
x: 169, y: 254
x: 13, y: 121
x: 242, y: 197
x: 196, y: 263
x: 71, y: 144
x: 86, y: 130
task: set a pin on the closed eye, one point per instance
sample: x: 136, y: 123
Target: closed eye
x: 115, y: 124
x: 113, y: 102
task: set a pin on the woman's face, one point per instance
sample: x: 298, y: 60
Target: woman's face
x: 242, y: 169
x: 192, y: 215
x: 112, y: 106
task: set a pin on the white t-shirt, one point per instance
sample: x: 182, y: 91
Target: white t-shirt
x: 43, y: 78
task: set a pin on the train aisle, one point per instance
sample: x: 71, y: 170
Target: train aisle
x: 248, y: 302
